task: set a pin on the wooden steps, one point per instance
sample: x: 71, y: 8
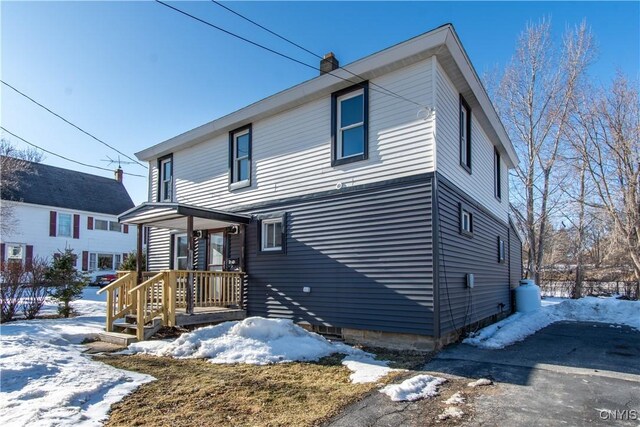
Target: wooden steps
x: 117, y: 338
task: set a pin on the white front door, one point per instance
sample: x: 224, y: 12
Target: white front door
x: 180, y: 252
x: 216, y: 251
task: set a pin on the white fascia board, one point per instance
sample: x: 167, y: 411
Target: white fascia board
x: 394, y: 57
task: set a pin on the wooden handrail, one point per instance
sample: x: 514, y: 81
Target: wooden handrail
x: 147, y: 282
x: 116, y: 283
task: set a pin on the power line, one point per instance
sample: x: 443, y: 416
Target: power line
x: 388, y: 91
x: 266, y: 29
x: 68, y: 122
x: 63, y: 157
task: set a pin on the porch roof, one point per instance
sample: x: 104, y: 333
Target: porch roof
x: 174, y: 216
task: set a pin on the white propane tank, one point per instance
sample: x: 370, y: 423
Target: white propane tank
x: 527, y: 296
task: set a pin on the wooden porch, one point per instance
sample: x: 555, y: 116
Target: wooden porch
x: 138, y: 308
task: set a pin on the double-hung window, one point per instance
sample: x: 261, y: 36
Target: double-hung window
x: 64, y: 225
x: 497, y: 172
x: 272, y: 234
x: 240, y: 157
x: 349, y: 112
x: 465, y: 135
x: 165, y: 189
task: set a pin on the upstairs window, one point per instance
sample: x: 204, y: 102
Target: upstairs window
x: 466, y: 220
x: 350, y: 116
x: 115, y: 226
x: 497, y: 175
x: 465, y: 135
x: 101, y: 224
x: 64, y: 225
x: 165, y: 190
x: 240, y: 158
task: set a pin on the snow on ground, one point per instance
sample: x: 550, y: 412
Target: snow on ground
x: 456, y: 399
x: 518, y: 326
x: 46, y: 380
x: 261, y: 341
x: 418, y: 387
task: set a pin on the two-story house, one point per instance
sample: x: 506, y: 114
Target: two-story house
x: 57, y: 209
x: 370, y: 202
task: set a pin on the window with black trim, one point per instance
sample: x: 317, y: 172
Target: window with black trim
x: 272, y: 234
x: 497, y: 174
x: 165, y: 181
x: 465, y: 135
x: 466, y: 220
x: 350, y: 123
x: 502, y: 253
x: 240, y: 157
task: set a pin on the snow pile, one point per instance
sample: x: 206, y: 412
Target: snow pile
x: 46, y: 380
x: 451, y: 412
x: 455, y: 399
x: 480, y: 382
x: 365, y: 369
x: 260, y: 341
x: 418, y: 387
x: 519, y: 326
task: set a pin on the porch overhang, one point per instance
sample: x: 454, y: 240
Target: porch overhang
x: 174, y: 216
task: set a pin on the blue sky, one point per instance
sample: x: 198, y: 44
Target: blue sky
x: 137, y: 73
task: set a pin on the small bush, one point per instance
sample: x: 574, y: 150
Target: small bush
x: 66, y: 282
x: 36, y: 291
x: 130, y: 263
x: 11, y: 289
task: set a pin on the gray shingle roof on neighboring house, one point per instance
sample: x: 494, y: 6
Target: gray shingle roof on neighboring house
x: 64, y: 188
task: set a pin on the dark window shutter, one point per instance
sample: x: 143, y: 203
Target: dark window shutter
x: 52, y: 223
x: 89, y: 223
x: 85, y: 260
x: 76, y: 226
x: 2, y: 256
x: 125, y: 256
x: 28, y: 261
x: 125, y: 228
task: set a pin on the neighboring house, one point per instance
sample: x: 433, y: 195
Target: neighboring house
x: 379, y: 217
x: 58, y: 208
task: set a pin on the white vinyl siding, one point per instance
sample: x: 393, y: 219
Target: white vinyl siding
x: 291, y: 151
x: 480, y: 183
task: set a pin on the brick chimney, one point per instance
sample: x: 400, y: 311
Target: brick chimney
x: 328, y: 63
x: 118, y: 174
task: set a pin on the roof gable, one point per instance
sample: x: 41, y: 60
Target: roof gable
x: 63, y: 188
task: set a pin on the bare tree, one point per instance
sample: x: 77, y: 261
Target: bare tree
x: 534, y: 99
x: 611, y: 122
x: 13, y: 163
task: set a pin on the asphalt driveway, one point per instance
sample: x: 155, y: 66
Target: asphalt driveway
x: 566, y: 374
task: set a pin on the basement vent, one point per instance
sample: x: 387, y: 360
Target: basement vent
x: 327, y: 331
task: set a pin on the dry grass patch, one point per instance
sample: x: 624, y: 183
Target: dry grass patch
x: 195, y: 392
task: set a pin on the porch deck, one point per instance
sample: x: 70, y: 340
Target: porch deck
x: 172, y: 298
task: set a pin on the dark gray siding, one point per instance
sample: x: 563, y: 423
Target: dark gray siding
x: 459, y: 255
x: 365, y: 254
x: 515, y: 256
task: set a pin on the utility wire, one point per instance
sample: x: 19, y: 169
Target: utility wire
x: 68, y: 122
x: 63, y: 157
x: 387, y: 92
